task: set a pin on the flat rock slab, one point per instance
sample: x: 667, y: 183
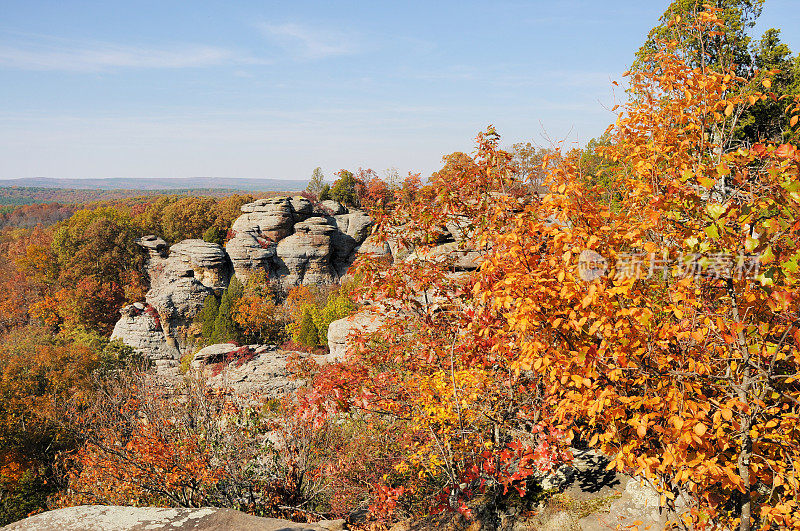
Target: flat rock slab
x: 117, y: 518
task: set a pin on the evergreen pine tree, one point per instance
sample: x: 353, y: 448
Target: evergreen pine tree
x: 207, y: 316
x: 307, y: 333
x: 325, y: 193
x: 225, y: 330
x: 344, y: 189
x: 213, y: 235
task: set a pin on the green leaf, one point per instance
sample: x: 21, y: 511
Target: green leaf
x: 716, y: 210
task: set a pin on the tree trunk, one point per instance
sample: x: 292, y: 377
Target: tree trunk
x: 745, y: 450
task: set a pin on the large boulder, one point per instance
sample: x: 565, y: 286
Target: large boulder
x: 251, y: 371
x: 453, y: 254
x: 207, y: 261
x: 177, y: 299
x: 329, y: 207
x: 305, y: 256
x: 179, y: 285
x: 340, y: 332
x: 302, y: 208
x: 117, y: 518
x: 250, y: 252
x: 374, y: 249
x: 639, y: 505
x: 140, y: 328
x: 355, y: 224
x: 256, y: 233
x: 353, y: 229
x: 155, y: 246
x: 272, y: 218
x: 295, y: 241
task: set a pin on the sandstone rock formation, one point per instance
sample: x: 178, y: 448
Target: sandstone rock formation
x: 330, y: 207
x: 296, y: 242
x: 305, y: 256
x: 252, y: 371
x: 180, y: 281
x: 452, y: 254
x: 118, y: 518
x: 207, y: 261
x: 363, y: 322
x: 140, y: 328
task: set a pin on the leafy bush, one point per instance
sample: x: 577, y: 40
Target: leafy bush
x: 213, y: 235
x: 306, y: 332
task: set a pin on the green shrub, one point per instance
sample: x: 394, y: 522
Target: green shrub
x: 213, y: 235
x: 307, y: 333
x: 207, y: 317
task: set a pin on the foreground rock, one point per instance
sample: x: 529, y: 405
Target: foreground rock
x: 116, y: 518
x: 588, y: 497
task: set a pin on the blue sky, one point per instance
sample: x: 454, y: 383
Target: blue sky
x: 273, y: 89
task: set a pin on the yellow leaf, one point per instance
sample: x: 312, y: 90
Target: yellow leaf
x: 729, y: 109
x: 700, y: 429
x: 727, y: 414
x: 767, y: 83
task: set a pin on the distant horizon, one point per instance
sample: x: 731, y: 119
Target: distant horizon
x: 155, y: 184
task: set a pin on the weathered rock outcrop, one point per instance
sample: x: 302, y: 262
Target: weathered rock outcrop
x: 180, y: 281
x: 305, y: 256
x: 364, y: 322
x: 207, y: 261
x: 330, y: 207
x: 118, y: 518
x: 257, y: 232
x: 452, y: 254
x: 296, y: 242
x: 252, y: 371
x: 140, y: 328
x: 155, y: 246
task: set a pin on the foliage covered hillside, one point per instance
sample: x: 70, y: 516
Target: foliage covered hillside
x: 638, y: 297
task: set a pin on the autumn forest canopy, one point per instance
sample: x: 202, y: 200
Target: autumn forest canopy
x: 638, y: 297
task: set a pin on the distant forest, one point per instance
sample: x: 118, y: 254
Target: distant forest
x: 14, y: 197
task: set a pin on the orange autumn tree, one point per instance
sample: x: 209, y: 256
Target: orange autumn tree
x: 678, y: 355
x: 681, y: 361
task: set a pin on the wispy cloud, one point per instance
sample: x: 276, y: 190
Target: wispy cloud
x: 307, y: 42
x: 53, y: 54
